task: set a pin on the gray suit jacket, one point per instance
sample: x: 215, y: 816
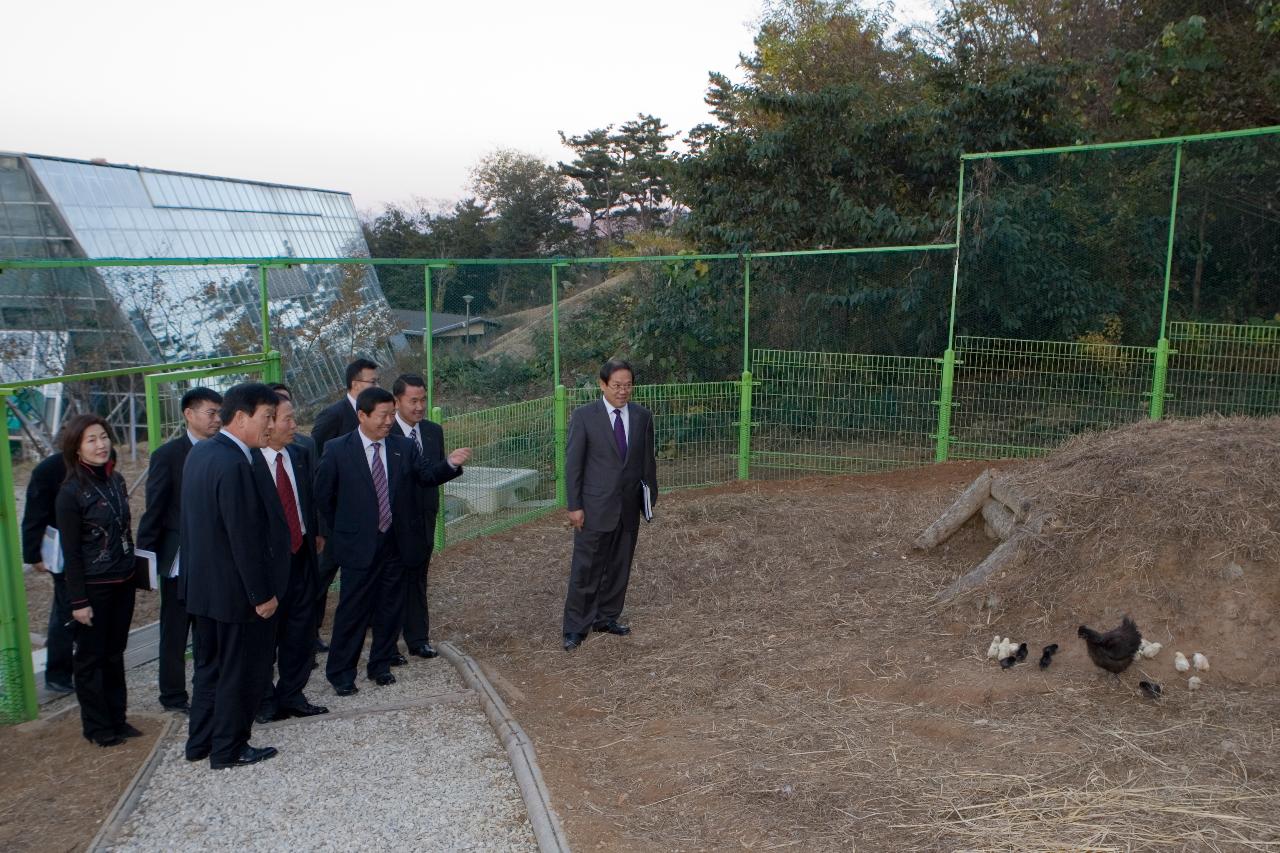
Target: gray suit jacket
x: 598, y: 480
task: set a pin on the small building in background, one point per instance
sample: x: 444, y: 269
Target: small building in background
x: 455, y: 331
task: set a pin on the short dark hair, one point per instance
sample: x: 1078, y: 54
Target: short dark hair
x: 613, y: 365
x: 200, y: 394
x: 246, y: 397
x: 72, y: 434
x: 354, y: 368
x: 368, y: 399
x: 404, y: 381
x: 281, y: 390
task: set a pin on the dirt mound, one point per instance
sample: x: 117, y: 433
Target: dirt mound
x: 1174, y: 522
x: 520, y: 326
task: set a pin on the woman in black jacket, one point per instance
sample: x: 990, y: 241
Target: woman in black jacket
x: 92, y: 509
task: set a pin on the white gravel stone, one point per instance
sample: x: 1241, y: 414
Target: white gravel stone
x: 433, y: 778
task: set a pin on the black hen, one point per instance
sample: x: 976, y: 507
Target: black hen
x: 1114, y: 650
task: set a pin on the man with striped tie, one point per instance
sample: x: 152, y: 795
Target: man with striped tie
x: 365, y: 494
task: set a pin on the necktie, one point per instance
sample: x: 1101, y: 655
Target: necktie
x: 284, y: 488
x: 380, y: 486
x: 417, y: 439
x: 619, y: 434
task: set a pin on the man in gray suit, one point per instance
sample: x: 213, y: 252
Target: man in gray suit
x: 609, y: 459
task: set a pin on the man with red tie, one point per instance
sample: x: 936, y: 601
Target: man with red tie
x: 290, y: 470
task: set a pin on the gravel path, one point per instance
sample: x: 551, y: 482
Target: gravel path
x: 433, y: 778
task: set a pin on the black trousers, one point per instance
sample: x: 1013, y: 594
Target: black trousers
x: 328, y: 572
x: 99, y: 659
x: 233, y: 668
x: 372, y: 597
x: 417, y: 619
x: 59, y: 640
x: 598, y: 577
x: 175, y: 629
x: 294, y: 639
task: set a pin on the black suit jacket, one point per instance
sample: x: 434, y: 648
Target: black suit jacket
x: 348, y: 504
x: 598, y: 481
x: 38, y: 511
x: 232, y: 558
x: 336, y: 420
x: 159, y: 528
x: 432, y: 436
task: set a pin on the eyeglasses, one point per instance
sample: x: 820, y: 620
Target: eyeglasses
x: 616, y: 387
x: 373, y: 381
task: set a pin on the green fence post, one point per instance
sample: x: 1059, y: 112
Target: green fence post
x: 1160, y: 373
x: 155, y: 418
x: 744, y: 428
x: 562, y: 437
x: 15, y: 639
x: 555, y: 322
x: 942, y: 445
x: 746, y: 313
x: 438, y: 416
x: 273, y: 370
x: 427, y: 340
x: 266, y: 314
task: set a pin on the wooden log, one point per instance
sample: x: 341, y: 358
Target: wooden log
x: 998, y: 518
x: 969, y: 502
x: 1004, y: 556
x: 1008, y: 495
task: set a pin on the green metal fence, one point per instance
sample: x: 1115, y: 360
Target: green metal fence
x: 1087, y: 287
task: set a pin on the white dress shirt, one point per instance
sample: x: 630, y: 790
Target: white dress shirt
x: 626, y: 419
x: 409, y: 430
x: 270, y: 455
x: 382, y: 453
x: 191, y: 436
x: 354, y: 407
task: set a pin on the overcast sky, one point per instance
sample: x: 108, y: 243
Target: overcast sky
x: 387, y: 99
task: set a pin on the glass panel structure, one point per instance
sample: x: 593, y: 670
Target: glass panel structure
x: 52, y: 207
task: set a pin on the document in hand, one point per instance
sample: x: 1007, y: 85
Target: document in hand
x: 173, y: 567
x: 648, y: 501
x: 51, y: 550
x: 144, y: 570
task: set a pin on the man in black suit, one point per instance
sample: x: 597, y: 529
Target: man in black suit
x: 410, y: 391
x: 235, y: 567
x: 337, y: 420
x: 609, y: 454
x: 288, y: 468
x: 158, y: 531
x: 365, y: 492
x: 38, y: 514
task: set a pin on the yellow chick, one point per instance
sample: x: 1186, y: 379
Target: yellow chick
x: 1193, y: 683
x: 1180, y: 662
x: 1200, y: 662
x: 993, y: 651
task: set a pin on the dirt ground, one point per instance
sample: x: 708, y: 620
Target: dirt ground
x: 790, y: 683
x: 56, y: 789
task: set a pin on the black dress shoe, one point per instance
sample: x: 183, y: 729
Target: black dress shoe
x: 382, y: 679
x: 306, y: 709
x: 59, y: 686
x: 264, y: 717
x: 111, y: 739
x: 572, y: 641
x: 321, y: 645
x: 612, y: 627
x: 346, y: 690
x: 177, y: 707
x: 249, y: 755
x: 423, y: 650
x: 127, y: 731
x: 399, y: 660
x: 198, y: 755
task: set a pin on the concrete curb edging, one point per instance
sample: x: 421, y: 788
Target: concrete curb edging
x: 129, y: 799
x: 542, y: 817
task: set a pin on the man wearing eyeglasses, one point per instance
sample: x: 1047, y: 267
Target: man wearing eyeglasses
x: 609, y: 465
x: 335, y: 421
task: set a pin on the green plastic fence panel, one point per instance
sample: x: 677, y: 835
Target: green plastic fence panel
x: 17, y: 675
x: 164, y: 393
x: 1218, y: 368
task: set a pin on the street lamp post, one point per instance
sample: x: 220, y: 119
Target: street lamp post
x: 466, y: 323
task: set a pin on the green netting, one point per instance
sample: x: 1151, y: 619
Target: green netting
x: 881, y: 303
x: 1021, y: 398
x: 12, y: 701
x: 511, y: 477
x: 840, y: 413
x: 1223, y: 369
x: 1066, y: 247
